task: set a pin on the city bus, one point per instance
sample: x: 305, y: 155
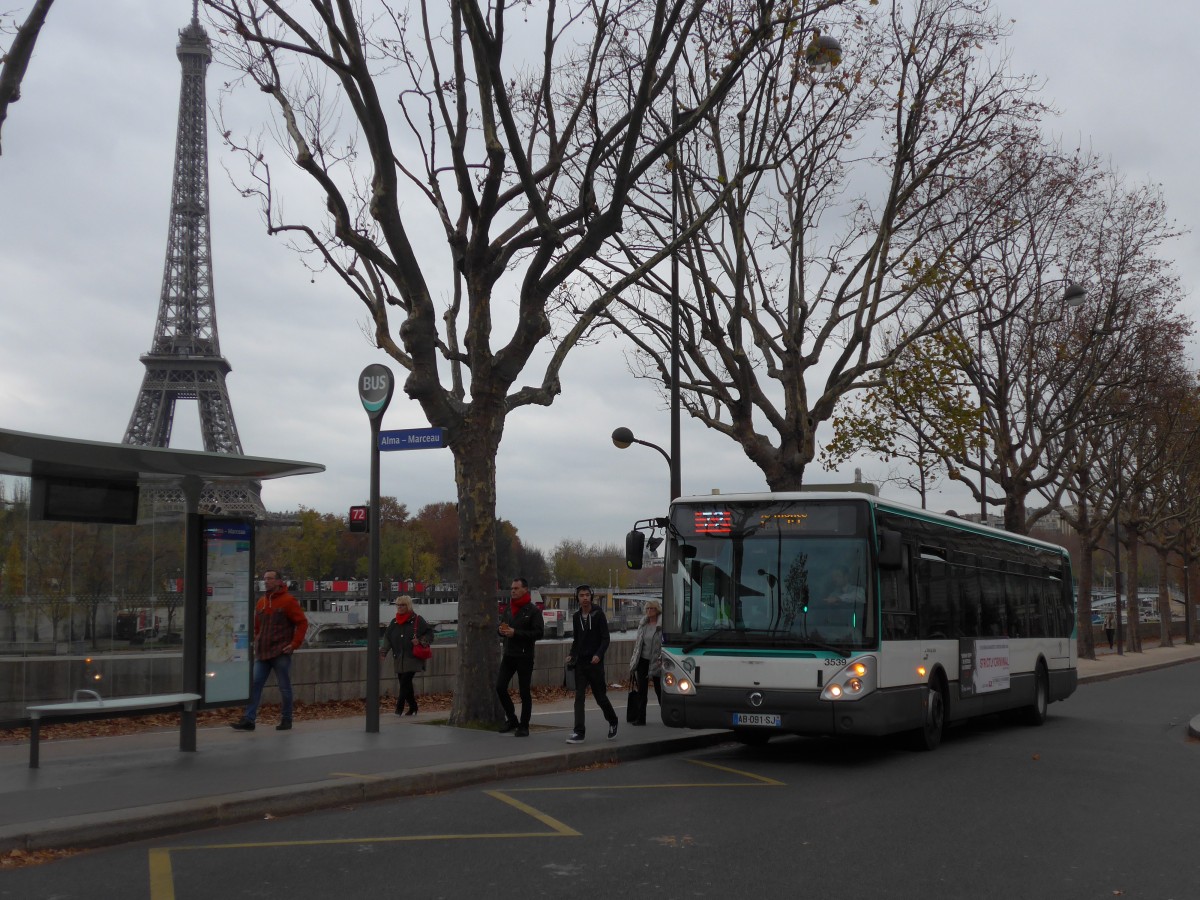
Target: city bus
x: 845, y: 614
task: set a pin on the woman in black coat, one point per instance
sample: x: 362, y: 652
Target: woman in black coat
x: 403, y: 633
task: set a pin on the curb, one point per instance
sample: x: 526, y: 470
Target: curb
x: 141, y: 823
x: 1121, y: 673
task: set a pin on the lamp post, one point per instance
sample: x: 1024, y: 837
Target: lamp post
x: 822, y: 54
x: 1117, y: 583
x: 622, y: 437
x: 673, y: 458
x: 1073, y: 295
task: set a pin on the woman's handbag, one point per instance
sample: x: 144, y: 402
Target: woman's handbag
x: 634, y: 711
x: 422, y: 651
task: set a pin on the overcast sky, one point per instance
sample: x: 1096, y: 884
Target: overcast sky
x: 85, y: 181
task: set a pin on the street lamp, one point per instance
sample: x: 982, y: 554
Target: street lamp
x: 1074, y: 295
x: 622, y: 437
x: 673, y: 458
x: 823, y: 52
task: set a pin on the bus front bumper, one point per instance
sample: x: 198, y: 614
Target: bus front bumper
x: 799, y: 712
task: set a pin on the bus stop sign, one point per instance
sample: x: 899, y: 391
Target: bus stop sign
x: 375, y: 386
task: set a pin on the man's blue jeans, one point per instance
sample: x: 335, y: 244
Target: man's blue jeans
x: 282, y: 667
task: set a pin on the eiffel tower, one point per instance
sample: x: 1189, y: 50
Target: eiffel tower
x: 185, y: 362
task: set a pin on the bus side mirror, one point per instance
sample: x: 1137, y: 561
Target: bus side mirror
x: 890, y: 549
x: 635, y: 548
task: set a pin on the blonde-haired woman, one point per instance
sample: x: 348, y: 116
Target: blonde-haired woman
x: 646, y: 663
x: 403, y: 633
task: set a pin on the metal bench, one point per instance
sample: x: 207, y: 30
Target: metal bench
x: 100, y: 708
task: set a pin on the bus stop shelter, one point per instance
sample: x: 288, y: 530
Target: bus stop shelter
x: 81, y: 462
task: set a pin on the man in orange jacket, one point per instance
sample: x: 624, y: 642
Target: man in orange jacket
x: 279, y: 627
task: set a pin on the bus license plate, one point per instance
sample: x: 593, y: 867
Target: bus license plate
x: 759, y: 720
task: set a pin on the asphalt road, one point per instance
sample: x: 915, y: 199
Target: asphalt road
x: 1100, y: 802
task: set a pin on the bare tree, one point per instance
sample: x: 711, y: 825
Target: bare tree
x: 817, y: 273
x: 15, y: 60
x: 1172, y: 496
x: 1040, y: 368
x: 520, y: 137
x: 1151, y: 440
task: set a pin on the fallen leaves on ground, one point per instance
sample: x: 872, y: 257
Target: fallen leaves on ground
x: 19, y: 859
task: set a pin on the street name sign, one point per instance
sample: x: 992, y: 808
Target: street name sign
x: 412, y: 439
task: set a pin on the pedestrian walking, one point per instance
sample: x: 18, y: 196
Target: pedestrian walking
x: 520, y: 629
x: 589, y: 643
x: 279, y: 628
x: 1108, y: 629
x: 646, y: 662
x: 405, y: 634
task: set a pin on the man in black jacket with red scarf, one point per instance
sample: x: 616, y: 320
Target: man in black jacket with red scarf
x: 520, y: 627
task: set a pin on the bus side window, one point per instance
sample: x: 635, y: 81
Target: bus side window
x: 994, y: 617
x: 899, y: 619
x: 1014, y: 602
x: 933, y: 602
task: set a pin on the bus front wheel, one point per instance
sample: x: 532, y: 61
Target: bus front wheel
x: 1035, y: 713
x: 929, y: 735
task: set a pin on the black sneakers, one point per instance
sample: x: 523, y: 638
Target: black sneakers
x: 508, y: 726
x: 575, y: 738
x: 242, y: 725
x: 284, y: 725
x: 522, y: 731
x: 612, y: 730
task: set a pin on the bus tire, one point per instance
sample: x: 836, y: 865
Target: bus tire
x: 929, y: 735
x: 1035, y: 713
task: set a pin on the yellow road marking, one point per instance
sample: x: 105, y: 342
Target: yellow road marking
x: 758, y: 781
x: 162, y: 882
x: 761, y: 778
x: 549, y: 821
x: 162, y: 885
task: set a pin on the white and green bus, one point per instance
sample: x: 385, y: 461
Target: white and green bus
x: 844, y: 614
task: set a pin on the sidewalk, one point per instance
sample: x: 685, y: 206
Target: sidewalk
x: 108, y: 790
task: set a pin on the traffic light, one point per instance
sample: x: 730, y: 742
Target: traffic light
x: 359, y: 520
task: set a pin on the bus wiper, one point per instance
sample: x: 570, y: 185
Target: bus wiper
x: 830, y: 648
x: 704, y: 639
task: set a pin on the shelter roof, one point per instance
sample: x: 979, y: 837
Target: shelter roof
x: 27, y: 454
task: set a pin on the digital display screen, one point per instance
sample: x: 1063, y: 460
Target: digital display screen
x: 85, y: 500
x: 718, y: 521
x: 728, y: 520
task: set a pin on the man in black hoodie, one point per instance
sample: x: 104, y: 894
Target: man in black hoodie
x: 588, y: 646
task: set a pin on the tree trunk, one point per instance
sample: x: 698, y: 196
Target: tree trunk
x: 1014, y: 509
x: 1133, y: 641
x: 1164, y: 602
x: 1085, y: 642
x: 478, y: 640
x: 1189, y: 611
x: 783, y: 468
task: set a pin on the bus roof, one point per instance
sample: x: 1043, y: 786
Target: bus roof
x: 877, y: 502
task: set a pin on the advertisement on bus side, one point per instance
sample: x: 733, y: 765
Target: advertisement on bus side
x: 982, y: 666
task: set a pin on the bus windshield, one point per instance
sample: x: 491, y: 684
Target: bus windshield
x: 766, y: 577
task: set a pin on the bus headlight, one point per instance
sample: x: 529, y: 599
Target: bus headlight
x: 680, y: 684
x: 852, y: 682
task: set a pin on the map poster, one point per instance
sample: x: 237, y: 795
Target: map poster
x: 228, y: 600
